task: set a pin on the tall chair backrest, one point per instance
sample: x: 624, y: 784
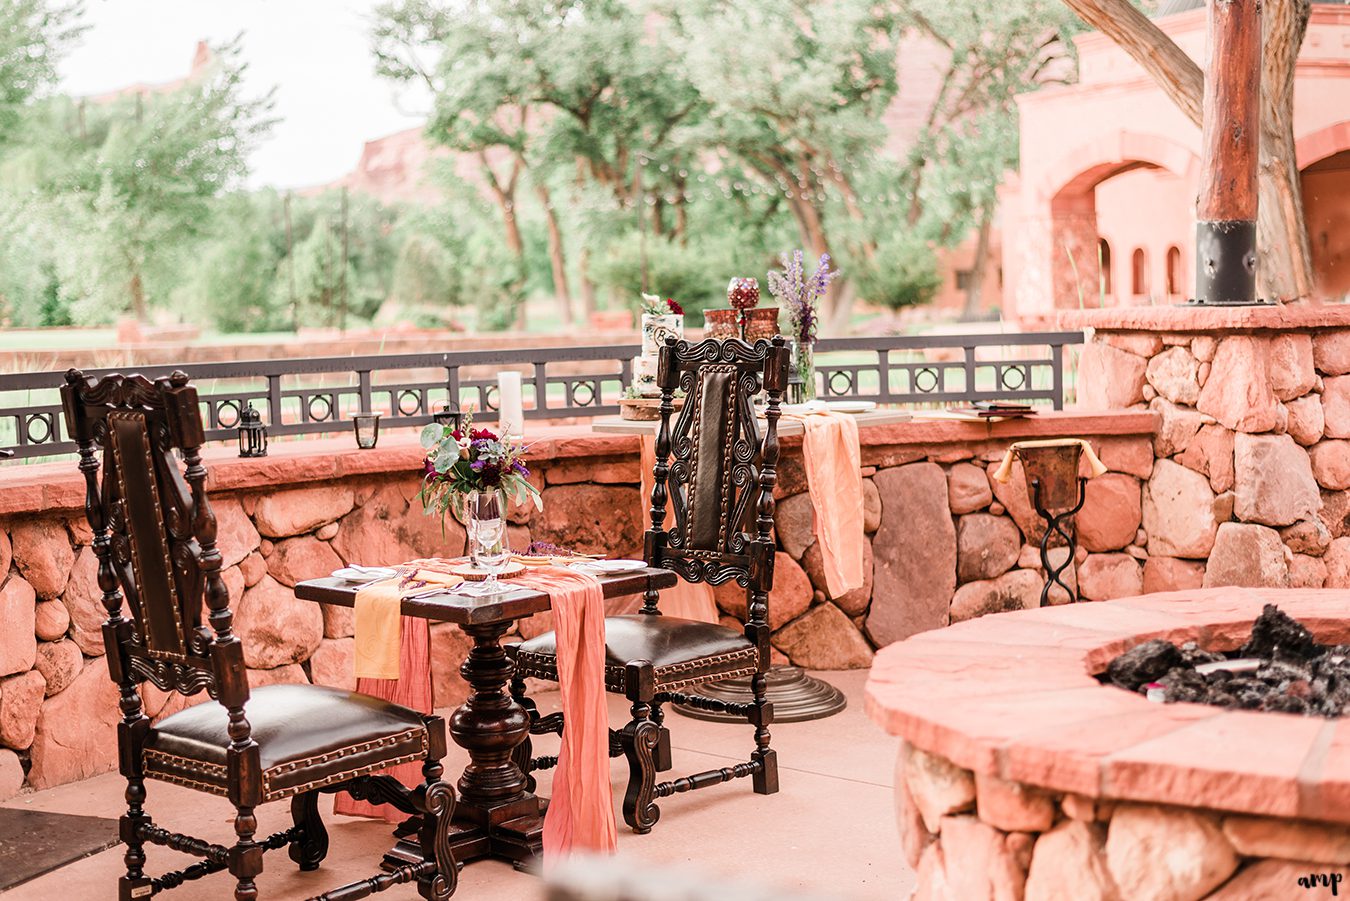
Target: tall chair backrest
x: 154, y: 536
x: 714, y: 468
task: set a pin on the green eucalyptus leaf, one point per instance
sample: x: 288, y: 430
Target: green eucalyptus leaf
x: 431, y: 434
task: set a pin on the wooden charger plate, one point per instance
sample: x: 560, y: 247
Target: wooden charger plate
x: 472, y: 573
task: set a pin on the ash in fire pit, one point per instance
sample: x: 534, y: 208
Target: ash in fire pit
x: 1281, y: 668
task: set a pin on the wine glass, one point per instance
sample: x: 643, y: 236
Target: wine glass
x: 488, y: 538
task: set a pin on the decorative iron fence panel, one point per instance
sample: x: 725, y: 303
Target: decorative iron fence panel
x: 318, y: 395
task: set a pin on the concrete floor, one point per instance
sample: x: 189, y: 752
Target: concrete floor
x: 830, y: 832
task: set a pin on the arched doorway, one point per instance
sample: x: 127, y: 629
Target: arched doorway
x: 1326, y: 209
x: 1138, y: 182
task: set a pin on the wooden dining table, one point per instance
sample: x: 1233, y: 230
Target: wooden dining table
x: 495, y: 815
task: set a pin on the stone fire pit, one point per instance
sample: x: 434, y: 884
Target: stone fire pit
x: 1021, y: 775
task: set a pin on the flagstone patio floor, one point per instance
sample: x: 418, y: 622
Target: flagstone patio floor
x: 829, y: 833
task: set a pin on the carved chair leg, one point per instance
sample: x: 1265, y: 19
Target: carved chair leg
x: 312, y: 846
x: 135, y: 884
x: 524, y: 751
x: 438, y: 800
x: 661, y: 756
x: 639, y: 739
x: 766, y: 778
x: 246, y: 856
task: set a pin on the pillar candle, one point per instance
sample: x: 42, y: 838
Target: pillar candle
x: 510, y: 404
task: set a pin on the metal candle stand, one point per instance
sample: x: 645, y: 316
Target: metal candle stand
x: 1057, y: 492
x: 1057, y: 524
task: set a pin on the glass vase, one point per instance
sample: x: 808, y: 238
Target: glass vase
x: 485, y: 521
x: 805, y: 364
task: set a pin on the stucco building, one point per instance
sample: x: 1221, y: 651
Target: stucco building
x: 1102, y: 210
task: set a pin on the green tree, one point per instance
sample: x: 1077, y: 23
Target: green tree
x: 320, y: 276
x: 140, y: 183
x: 232, y: 285
x: 796, y: 91
x: 969, y: 138
x: 34, y: 34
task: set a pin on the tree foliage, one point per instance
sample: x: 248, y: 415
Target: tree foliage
x: 600, y: 147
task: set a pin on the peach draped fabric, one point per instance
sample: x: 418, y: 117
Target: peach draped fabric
x: 580, y: 814
x: 411, y: 689
x: 687, y: 600
x: 833, y: 461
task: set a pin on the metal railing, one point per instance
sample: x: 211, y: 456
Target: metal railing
x: 319, y: 395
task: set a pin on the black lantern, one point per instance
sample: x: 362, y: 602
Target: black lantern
x: 449, y: 416
x: 252, y: 433
x: 367, y: 426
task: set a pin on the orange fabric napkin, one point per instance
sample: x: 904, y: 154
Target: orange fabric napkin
x: 687, y: 600
x: 378, y: 634
x: 580, y: 814
x: 833, y: 461
x: 410, y: 688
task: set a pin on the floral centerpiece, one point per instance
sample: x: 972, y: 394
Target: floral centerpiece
x: 469, y: 472
x: 800, y: 295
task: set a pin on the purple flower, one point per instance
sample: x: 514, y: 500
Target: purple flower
x: 800, y: 294
x: 477, y: 465
x: 519, y: 468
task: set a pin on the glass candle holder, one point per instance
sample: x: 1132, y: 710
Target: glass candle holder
x: 367, y: 427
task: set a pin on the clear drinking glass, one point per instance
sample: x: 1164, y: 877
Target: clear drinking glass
x: 488, y: 543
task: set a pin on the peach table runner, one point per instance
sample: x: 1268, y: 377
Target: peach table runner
x: 581, y: 813
x: 412, y: 689
x: 833, y: 461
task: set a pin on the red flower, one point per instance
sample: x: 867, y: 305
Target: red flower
x: 482, y: 434
x: 674, y: 307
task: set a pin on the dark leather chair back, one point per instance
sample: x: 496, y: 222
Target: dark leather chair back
x: 154, y: 533
x: 713, y: 466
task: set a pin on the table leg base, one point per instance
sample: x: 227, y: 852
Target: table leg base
x: 513, y: 831
x: 796, y: 697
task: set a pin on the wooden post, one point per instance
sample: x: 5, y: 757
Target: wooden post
x: 1225, y: 231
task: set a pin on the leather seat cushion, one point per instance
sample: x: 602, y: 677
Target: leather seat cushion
x: 682, y: 651
x: 307, y: 736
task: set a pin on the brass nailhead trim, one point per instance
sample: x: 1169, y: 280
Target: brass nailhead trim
x: 220, y: 773
x: 128, y: 416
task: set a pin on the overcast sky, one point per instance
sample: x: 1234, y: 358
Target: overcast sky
x: 315, y: 52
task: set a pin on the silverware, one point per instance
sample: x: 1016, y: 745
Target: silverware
x: 428, y: 593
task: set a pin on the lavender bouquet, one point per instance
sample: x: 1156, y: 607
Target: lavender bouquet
x: 800, y: 295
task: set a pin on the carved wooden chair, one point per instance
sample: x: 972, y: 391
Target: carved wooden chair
x: 720, y: 490
x: 155, y: 538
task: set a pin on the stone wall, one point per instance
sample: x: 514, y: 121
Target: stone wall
x: 943, y: 544
x: 1253, y: 465
x: 974, y: 836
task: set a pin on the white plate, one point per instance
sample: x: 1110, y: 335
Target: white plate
x: 610, y: 566
x: 811, y: 406
x: 364, y: 573
x: 852, y: 406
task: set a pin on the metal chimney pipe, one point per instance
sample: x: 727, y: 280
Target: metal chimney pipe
x: 1225, y: 228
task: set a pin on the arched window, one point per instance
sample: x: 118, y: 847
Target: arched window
x: 1139, y: 272
x: 1104, y: 262
x: 1174, y: 271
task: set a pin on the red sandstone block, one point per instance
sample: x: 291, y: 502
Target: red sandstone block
x: 973, y: 733
x: 1069, y: 758
x: 1325, y: 778
x: 1226, y: 762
